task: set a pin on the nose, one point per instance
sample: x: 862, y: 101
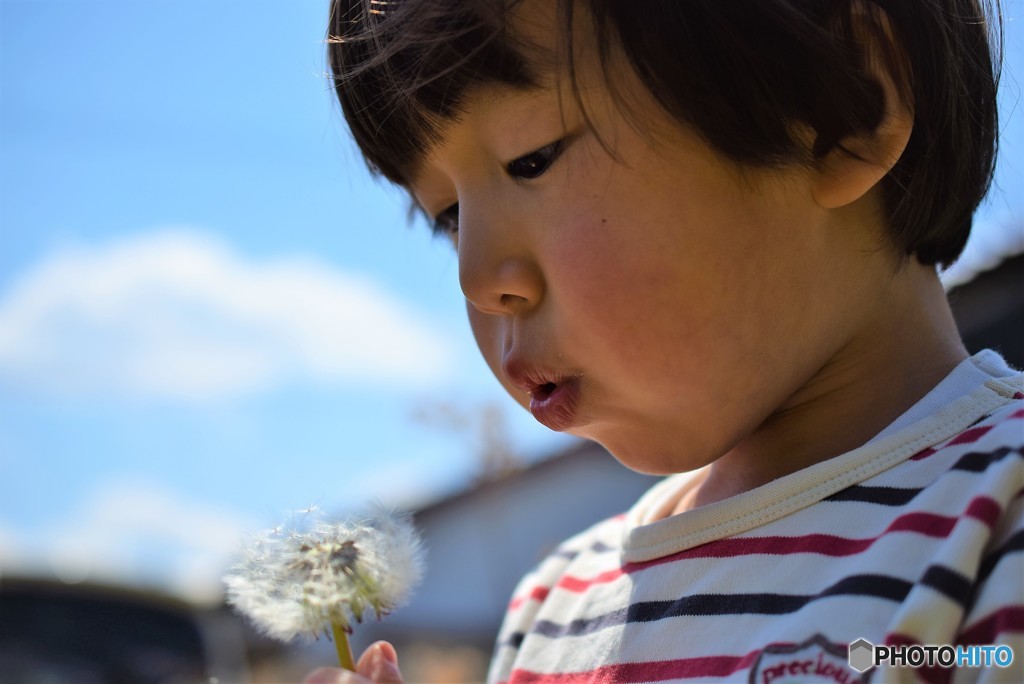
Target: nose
x: 497, y: 271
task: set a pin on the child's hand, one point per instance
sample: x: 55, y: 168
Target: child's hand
x: 378, y: 664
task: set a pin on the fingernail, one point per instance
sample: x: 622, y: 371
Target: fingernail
x: 382, y: 667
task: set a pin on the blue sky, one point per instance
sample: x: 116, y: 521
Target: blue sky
x: 209, y: 313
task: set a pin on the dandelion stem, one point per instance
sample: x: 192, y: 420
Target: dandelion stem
x: 344, y: 649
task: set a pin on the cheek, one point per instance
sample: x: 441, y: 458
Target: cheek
x: 488, y: 337
x: 616, y: 284
x: 666, y: 300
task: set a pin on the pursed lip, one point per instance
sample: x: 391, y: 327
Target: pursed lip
x: 554, y: 396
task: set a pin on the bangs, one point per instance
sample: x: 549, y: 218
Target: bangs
x: 402, y: 69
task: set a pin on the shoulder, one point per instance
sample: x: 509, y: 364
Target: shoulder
x: 973, y: 514
x: 996, y: 441
x: 582, y: 551
x: 577, y: 555
x: 976, y: 472
x: 601, y: 540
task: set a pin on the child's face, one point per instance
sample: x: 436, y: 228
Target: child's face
x: 656, y: 301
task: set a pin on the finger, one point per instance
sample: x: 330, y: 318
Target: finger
x: 334, y: 675
x: 380, y: 663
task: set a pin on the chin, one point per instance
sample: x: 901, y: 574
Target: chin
x: 647, y: 459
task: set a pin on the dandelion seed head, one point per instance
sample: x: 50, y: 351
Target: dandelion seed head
x: 305, y: 577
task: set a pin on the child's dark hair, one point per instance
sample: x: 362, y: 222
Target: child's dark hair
x: 744, y: 74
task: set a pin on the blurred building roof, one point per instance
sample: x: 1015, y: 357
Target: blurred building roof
x: 986, y: 250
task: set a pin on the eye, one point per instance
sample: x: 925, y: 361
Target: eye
x: 446, y: 224
x: 535, y: 163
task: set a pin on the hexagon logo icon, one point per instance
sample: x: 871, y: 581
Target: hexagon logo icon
x: 861, y: 655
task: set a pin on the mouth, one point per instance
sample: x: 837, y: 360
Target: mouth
x: 553, y: 404
x: 542, y: 392
x: 554, y: 397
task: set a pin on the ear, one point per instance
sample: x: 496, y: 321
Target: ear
x: 860, y: 161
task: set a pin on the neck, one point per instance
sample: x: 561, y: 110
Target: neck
x: 907, y: 346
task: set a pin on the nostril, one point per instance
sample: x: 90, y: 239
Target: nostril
x: 505, y: 286
x: 512, y: 302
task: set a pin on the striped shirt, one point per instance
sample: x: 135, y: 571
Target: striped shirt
x: 914, y: 538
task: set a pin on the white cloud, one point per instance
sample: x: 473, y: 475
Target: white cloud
x: 179, y: 314
x: 134, y: 533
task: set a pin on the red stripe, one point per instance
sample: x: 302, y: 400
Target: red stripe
x: 537, y: 594
x: 576, y: 584
x: 984, y: 509
x: 825, y: 544
x: 985, y: 631
x: 928, y: 524
x: 981, y: 508
x: 921, y: 455
x: 968, y: 436
x: 655, y: 671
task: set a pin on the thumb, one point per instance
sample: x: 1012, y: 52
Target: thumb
x: 380, y: 663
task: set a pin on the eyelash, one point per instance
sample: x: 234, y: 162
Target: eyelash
x: 534, y: 164
x: 446, y: 224
x: 527, y: 167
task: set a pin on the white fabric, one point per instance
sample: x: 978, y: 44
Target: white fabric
x: 914, y: 537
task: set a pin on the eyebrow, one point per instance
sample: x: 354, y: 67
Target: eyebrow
x: 440, y: 125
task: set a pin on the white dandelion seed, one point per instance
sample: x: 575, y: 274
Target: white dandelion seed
x: 317, y: 575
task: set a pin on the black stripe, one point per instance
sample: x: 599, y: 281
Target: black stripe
x: 514, y: 640
x: 886, y: 496
x: 1014, y: 544
x: 569, y: 554
x: 948, y: 582
x: 976, y: 462
x: 580, y: 626
x: 717, y: 604
x: 877, y: 586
